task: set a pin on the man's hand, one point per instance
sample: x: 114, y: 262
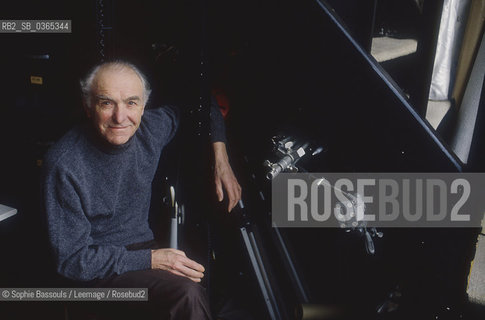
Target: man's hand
x: 176, y: 262
x: 224, y: 177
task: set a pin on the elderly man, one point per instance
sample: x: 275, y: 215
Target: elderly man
x: 97, y: 189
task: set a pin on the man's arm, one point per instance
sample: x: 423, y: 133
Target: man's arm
x: 224, y: 177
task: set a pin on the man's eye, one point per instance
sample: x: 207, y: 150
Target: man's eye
x: 106, y: 103
x: 132, y: 103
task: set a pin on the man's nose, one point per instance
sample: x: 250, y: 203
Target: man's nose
x: 119, y: 114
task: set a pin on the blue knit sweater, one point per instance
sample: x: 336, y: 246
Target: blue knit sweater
x: 97, y: 196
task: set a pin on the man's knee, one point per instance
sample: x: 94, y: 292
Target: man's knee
x: 165, y: 284
x: 180, y: 288
x: 184, y: 298
x: 192, y: 291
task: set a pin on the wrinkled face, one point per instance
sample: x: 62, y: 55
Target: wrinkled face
x: 117, y: 104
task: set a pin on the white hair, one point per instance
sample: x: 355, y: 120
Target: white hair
x: 87, y: 82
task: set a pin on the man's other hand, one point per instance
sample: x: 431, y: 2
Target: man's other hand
x: 224, y: 177
x: 176, y: 262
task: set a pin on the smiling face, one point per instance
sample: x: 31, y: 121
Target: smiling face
x: 117, y: 103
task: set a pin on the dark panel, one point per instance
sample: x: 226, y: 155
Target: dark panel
x: 304, y: 72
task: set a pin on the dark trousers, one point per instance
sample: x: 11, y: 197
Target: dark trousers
x: 169, y: 296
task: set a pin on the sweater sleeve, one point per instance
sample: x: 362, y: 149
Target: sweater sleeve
x: 77, y: 256
x: 162, y: 123
x: 217, y: 127
x: 159, y: 126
